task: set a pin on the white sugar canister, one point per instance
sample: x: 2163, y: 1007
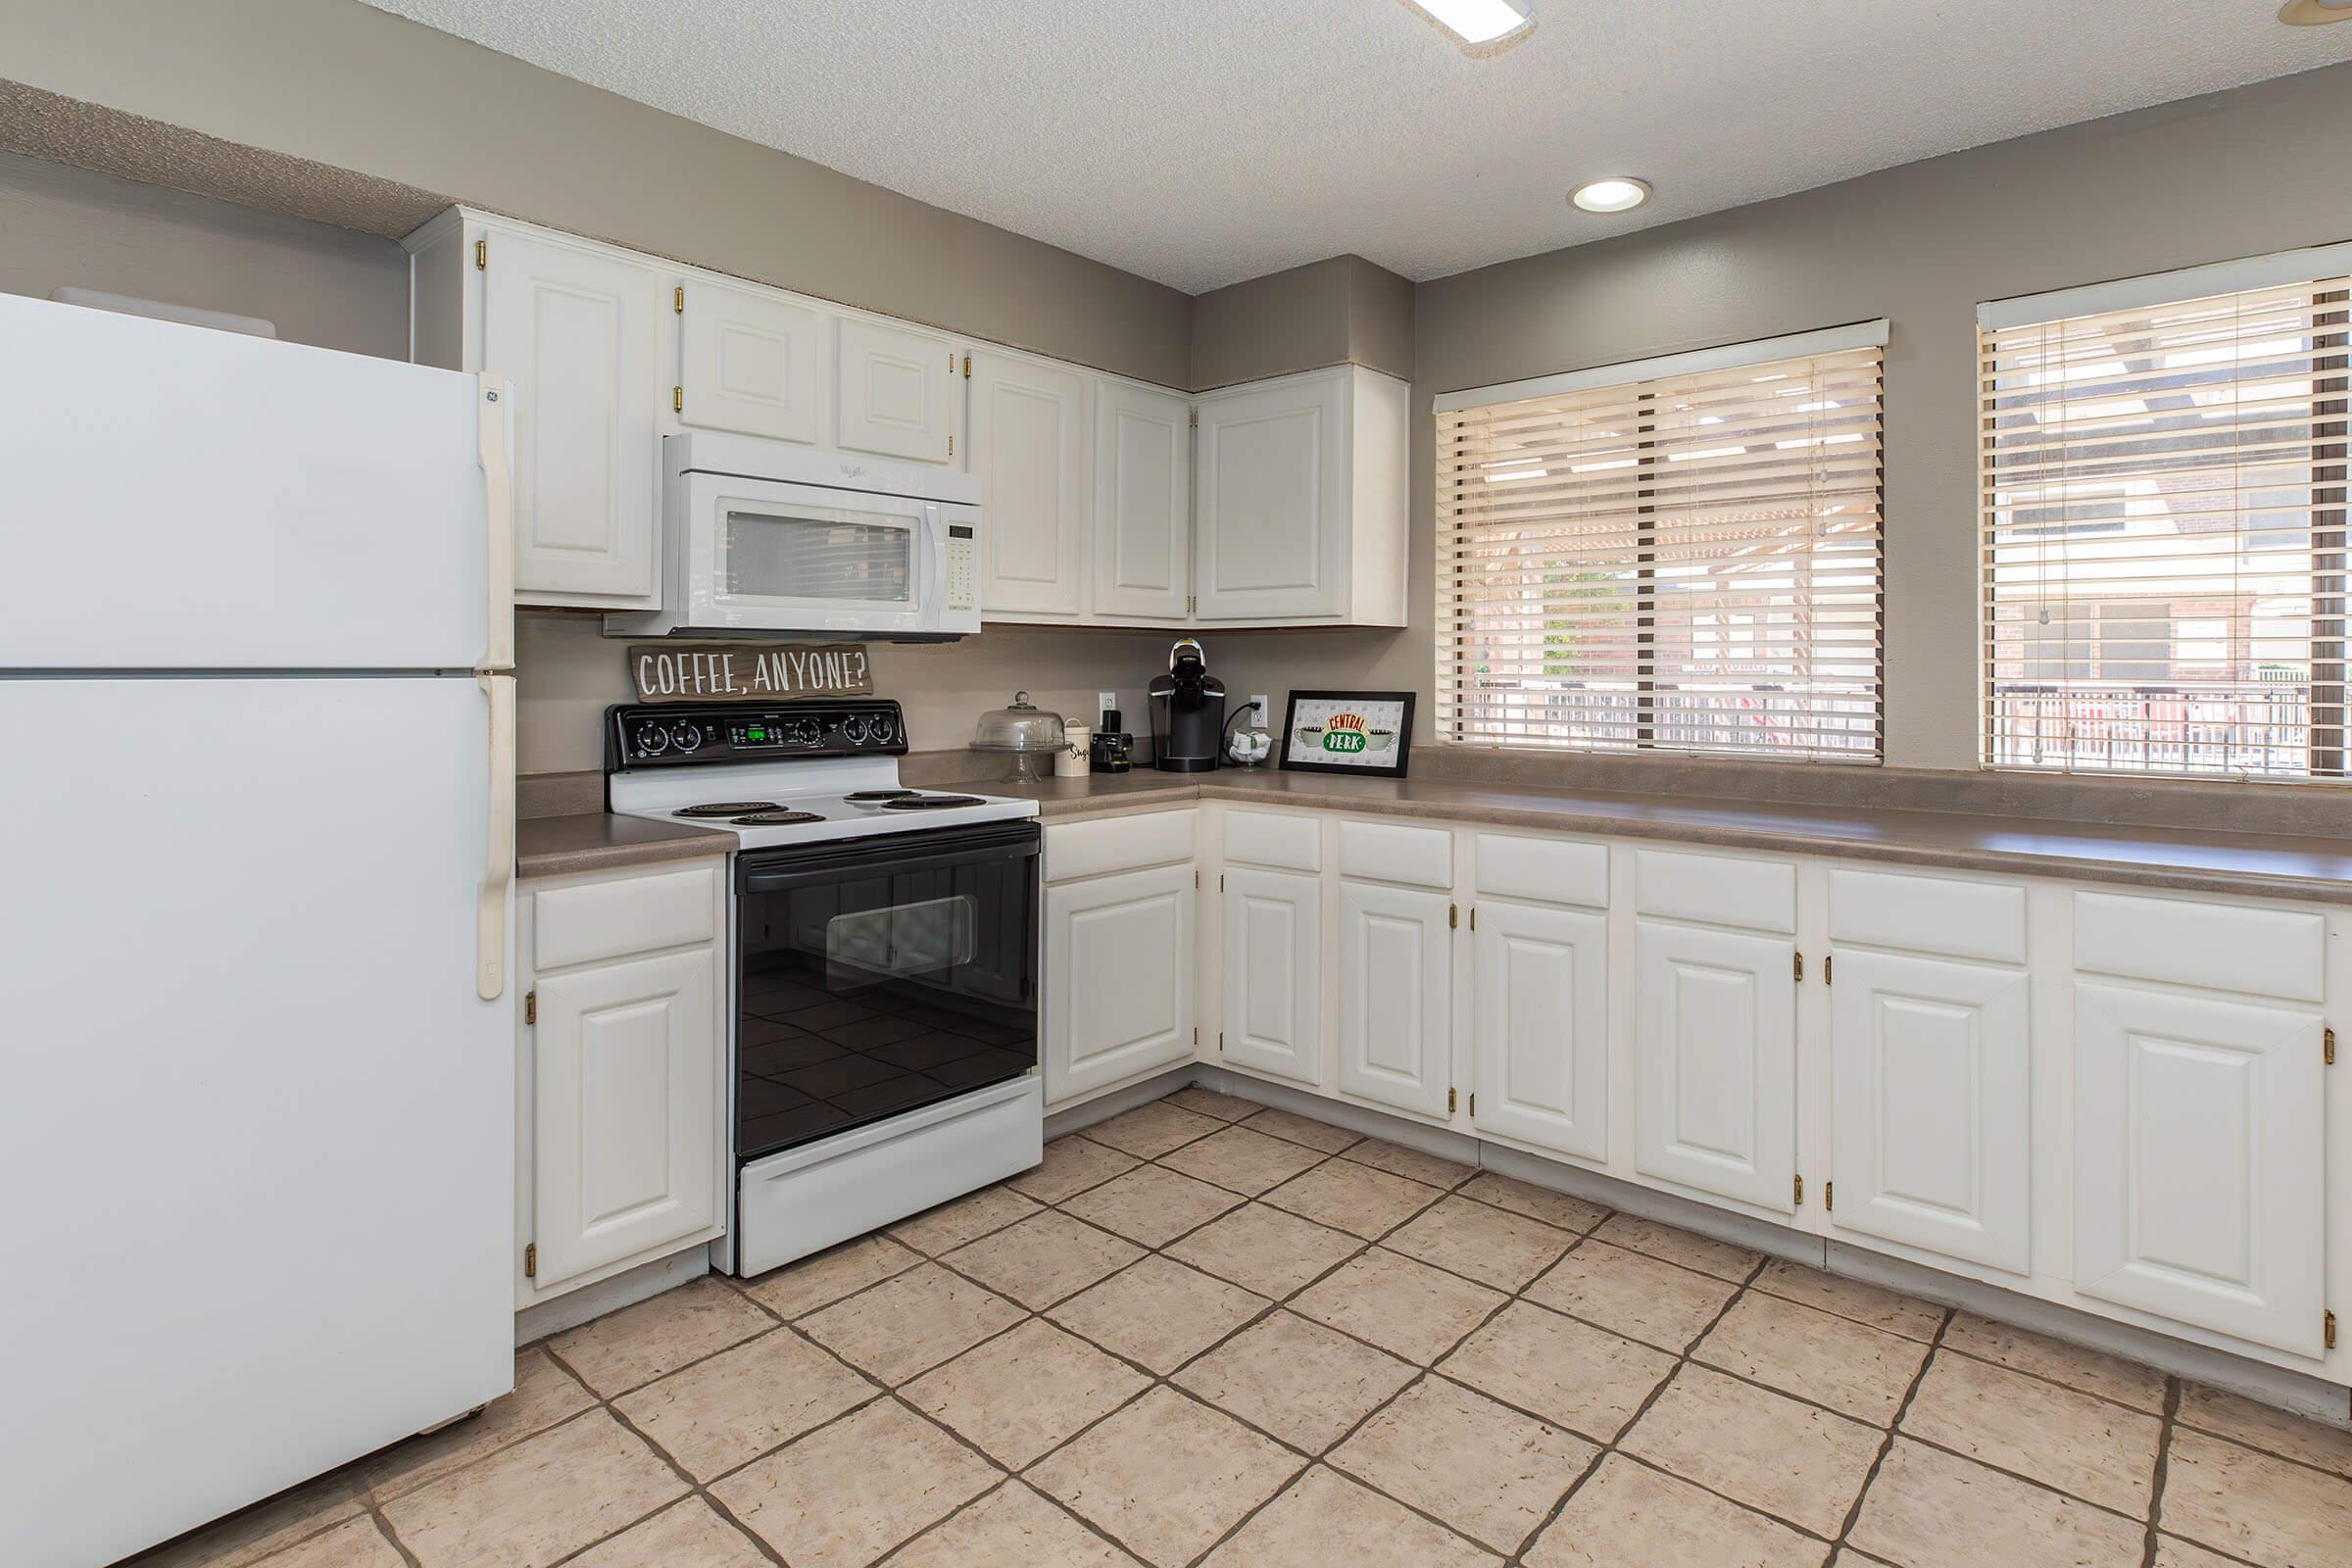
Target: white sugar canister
x: 1076, y: 759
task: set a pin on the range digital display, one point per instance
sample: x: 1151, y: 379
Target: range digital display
x: 761, y: 731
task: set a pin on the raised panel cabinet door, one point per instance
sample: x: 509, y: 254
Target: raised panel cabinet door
x: 1029, y: 450
x: 1271, y: 486
x: 1142, y: 523
x: 1539, y: 1024
x: 749, y: 361
x: 1715, y: 1061
x: 625, y: 1072
x: 1118, y: 968
x: 1930, y: 1069
x: 898, y: 392
x: 1274, y: 972
x: 2201, y: 1161
x: 576, y: 331
x: 1395, y: 957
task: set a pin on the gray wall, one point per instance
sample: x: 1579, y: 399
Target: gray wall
x: 62, y: 227
x: 1341, y: 309
x: 2237, y: 174
x: 338, y: 83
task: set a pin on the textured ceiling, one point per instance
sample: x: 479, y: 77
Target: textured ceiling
x: 1199, y: 142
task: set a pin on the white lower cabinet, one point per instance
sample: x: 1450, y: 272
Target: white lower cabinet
x: 621, y: 1121
x: 1273, y: 974
x: 2201, y: 1161
x: 1118, y: 966
x: 1715, y: 1061
x: 1931, y: 1088
x: 1396, y: 976
x: 621, y: 1129
x: 1538, y: 1024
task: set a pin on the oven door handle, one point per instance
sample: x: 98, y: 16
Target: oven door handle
x: 838, y: 863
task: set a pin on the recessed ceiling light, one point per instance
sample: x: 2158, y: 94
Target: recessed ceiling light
x: 1618, y: 193
x: 2312, y: 13
x: 1480, y: 26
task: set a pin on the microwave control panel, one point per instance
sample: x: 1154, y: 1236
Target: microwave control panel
x: 963, y: 570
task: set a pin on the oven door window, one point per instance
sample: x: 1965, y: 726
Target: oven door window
x: 868, y: 994
x: 812, y: 555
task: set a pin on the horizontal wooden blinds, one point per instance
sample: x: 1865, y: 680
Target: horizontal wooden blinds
x: 1687, y: 563
x: 2163, y: 530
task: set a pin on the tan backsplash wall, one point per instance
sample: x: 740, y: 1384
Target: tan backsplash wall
x: 568, y: 672
x: 2235, y: 174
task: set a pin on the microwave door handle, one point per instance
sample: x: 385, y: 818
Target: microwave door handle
x: 934, y: 584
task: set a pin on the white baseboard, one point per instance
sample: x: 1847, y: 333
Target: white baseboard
x: 625, y: 1288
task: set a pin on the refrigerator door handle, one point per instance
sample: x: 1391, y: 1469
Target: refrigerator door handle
x: 497, y: 876
x: 495, y: 405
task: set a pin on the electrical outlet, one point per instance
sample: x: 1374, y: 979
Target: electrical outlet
x: 1105, y: 701
x: 1264, y: 713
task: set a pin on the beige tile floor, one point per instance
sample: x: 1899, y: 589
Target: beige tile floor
x: 1202, y: 1332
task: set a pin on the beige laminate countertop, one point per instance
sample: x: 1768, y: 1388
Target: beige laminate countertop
x: 2205, y: 862
x: 597, y: 841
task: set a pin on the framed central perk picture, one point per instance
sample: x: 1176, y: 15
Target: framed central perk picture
x: 1348, y: 732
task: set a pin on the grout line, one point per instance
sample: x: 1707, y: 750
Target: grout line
x: 1870, y: 1479
x: 2164, y: 1459
x: 384, y: 1527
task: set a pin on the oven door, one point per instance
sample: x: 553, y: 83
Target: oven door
x: 879, y: 976
x: 767, y: 555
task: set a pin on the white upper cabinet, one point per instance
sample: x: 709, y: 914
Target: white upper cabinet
x: 1142, y: 514
x: 1931, y: 1094
x: 1539, y: 1024
x: 750, y: 361
x: 898, y: 391
x: 1715, y: 1061
x: 1028, y: 446
x: 1298, y: 490
x: 1273, y: 980
x: 1396, y: 974
x: 2200, y: 1161
x: 577, y: 330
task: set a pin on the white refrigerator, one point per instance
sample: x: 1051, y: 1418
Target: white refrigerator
x: 256, y: 851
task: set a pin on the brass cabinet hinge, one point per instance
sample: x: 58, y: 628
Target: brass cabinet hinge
x: 481, y: 255
x: 1196, y: 877
x: 1220, y: 881
x: 530, y: 1006
x: 1474, y: 926
x: 1448, y: 1101
x: 1196, y: 422
x: 2328, y: 1329
x: 1801, y: 966
x: 1453, y: 915
x: 1829, y: 1194
x: 531, y: 1261
x: 677, y: 400
x: 1800, y: 1192
x: 677, y: 299
x: 967, y: 367
x: 1473, y: 1101
x: 2328, y: 1047
x: 1196, y: 1034
x: 1828, y: 969
x: 1192, y: 603
x: 1220, y: 1041
x: 951, y: 446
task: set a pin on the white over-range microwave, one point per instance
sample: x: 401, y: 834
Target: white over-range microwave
x: 764, y: 539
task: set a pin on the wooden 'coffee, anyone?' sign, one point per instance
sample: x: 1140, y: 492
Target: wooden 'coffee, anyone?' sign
x: 718, y: 672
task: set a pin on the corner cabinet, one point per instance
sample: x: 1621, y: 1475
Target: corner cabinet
x: 576, y: 329
x: 1118, y: 939
x: 1299, y: 489
x: 1141, y: 544
x: 1029, y: 434
x: 621, y: 1072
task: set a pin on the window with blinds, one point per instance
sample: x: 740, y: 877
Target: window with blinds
x: 1682, y: 555
x: 2163, y: 524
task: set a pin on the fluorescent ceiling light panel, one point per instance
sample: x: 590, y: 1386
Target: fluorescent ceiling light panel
x: 2315, y: 12
x: 1480, y: 26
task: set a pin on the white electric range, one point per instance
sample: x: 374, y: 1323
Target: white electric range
x: 885, y: 954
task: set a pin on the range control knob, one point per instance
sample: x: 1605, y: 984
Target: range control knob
x: 652, y: 739
x: 806, y: 731
x: 881, y: 730
x: 686, y: 735
x: 852, y: 729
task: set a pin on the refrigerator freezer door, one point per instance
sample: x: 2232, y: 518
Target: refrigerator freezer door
x: 258, y: 1128
x: 177, y: 498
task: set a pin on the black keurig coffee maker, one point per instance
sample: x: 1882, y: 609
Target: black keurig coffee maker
x: 1188, y: 713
